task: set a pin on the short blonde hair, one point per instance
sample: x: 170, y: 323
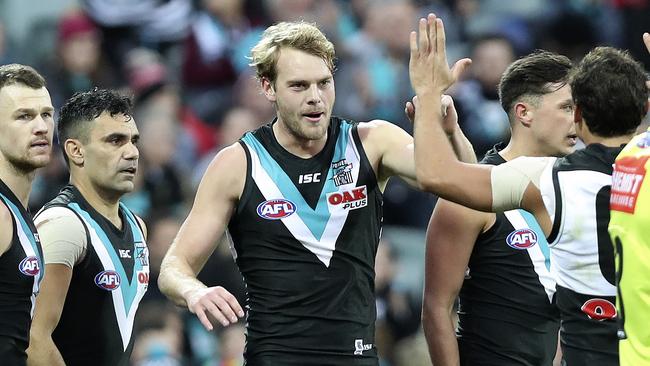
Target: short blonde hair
x: 301, y: 36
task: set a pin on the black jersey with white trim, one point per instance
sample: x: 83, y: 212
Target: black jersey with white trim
x: 106, y: 287
x: 21, y: 271
x: 305, y: 236
x: 508, y: 284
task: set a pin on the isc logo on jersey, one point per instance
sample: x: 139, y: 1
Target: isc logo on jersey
x: 29, y: 266
x: 108, y: 280
x: 275, y: 209
x: 522, y: 239
x: 349, y: 199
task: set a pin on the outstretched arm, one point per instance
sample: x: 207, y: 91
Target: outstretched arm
x: 198, y: 237
x: 462, y: 146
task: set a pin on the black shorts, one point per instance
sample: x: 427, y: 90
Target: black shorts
x: 488, y: 342
x: 589, y: 332
x: 12, y: 351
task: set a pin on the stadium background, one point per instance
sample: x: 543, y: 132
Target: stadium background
x: 185, y: 64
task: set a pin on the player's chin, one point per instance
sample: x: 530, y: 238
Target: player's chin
x: 39, y: 161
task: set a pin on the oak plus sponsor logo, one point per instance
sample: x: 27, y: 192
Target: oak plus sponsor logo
x: 29, y: 266
x: 108, y: 280
x: 521, y: 239
x: 276, y: 209
x: 627, y: 178
x: 349, y: 199
x: 342, y: 173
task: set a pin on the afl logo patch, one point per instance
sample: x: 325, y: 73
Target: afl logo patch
x: 522, y: 239
x: 276, y: 209
x: 108, y: 280
x: 29, y: 266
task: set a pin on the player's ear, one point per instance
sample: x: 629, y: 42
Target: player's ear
x: 74, y: 150
x: 268, y: 88
x: 523, y: 114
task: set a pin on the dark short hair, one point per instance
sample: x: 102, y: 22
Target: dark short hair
x: 608, y: 86
x: 11, y: 74
x: 534, y: 75
x: 79, y: 111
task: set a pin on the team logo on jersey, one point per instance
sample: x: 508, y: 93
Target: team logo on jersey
x: 108, y: 280
x: 599, y: 309
x: 29, y: 266
x: 342, y: 172
x: 522, y: 239
x: 349, y: 199
x: 141, y: 253
x: 276, y: 209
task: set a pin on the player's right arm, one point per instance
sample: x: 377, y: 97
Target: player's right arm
x: 451, y: 235
x: 214, y: 204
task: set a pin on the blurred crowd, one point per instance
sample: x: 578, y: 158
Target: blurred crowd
x: 185, y: 64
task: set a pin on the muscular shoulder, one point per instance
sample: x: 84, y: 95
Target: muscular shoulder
x: 6, y: 227
x: 377, y: 135
x: 227, y: 171
x: 62, y: 235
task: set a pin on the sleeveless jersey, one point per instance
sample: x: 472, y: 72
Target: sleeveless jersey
x: 106, y: 286
x: 21, y: 272
x: 509, y: 290
x: 305, y: 235
x: 576, y: 192
x: 628, y: 227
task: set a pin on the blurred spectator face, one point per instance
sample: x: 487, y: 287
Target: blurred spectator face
x: 79, y: 44
x: 490, y: 59
x: 250, y: 97
x: 161, y: 236
x: 289, y: 10
x: 237, y: 122
x: 223, y: 8
x: 394, y: 22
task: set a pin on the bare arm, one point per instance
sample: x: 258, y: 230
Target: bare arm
x: 47, y: 313
x: 451, y: 235
x: 214, y: 204
x: 462, y: 146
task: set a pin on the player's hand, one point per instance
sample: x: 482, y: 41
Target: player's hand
x: 428, y: 68
x: 216, y: 302
x: 449, y: 114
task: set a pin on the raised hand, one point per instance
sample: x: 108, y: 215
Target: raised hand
x: 216, y: 302
x: 449, y: 114
x: 428, y: 68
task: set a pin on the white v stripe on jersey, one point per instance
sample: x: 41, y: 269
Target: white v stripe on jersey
x: 125, y: 317
x: 323, y: 248
x: 25, y: 237
x: 536, y: 252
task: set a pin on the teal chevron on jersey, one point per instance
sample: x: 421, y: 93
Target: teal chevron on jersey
x: 315, y: 219
x: 129, y: 288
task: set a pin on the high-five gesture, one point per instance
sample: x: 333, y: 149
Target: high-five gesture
x: 428, y: 66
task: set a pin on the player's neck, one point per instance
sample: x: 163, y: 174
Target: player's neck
x: 520, y: 147
x: 105, y: 204
x: 300, y: 147
x: 615, y: 141
x: 20, y: 183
